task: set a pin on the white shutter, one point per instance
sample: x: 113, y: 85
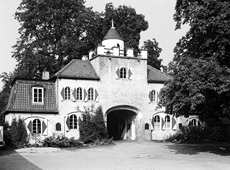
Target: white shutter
x: 130, y: 74
x: 96, y: 95
x: 117, y: 73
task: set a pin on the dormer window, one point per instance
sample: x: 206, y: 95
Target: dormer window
x: 37, y: 95
x: 123, y: 73
x: 67, y: 93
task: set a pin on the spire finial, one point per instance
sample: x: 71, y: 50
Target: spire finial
x: 112, y: 24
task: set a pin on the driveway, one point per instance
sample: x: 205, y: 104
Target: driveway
x: 123, y: 156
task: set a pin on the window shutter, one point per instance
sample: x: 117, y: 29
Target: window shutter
x: 29, y: 126
x: 74, y: 98
x: 62, y: 93
x: 162, y: 123
x: 117, y: 73
x: 130, y: 74
x: 85, y: 95
x: 44, y: 128
x: 150, y: 96
x: 199, y: 124
x: 96, y: 95
x: 173, y: 122
x: 153, y: 122
x: 67, y: 122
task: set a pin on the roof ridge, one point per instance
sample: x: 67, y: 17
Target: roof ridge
x: 64, y: 68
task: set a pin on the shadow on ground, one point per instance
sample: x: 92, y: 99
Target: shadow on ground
x: 11, y: 160
x: 222, y: 149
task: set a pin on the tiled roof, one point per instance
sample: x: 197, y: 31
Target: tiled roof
x: 156, y: 76
x: 112, y: 34
x: 79, y: 69
x: 20, y: 99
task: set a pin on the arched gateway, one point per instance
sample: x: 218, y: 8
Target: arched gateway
x: 121, y: 122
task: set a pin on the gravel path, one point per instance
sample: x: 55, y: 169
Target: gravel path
x: 122, y: 155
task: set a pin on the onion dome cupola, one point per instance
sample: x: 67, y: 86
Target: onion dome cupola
x: 113, y: 39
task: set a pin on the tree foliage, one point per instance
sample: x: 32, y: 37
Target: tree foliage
x: 153, y: 53
x: 201, y: 64
x: 92, y: 127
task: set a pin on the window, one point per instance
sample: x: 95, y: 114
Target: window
x: 146, y: 126
x: 123, y: 73
x: 58, y: 126
x: 37, y: 95
x: 157, y: 122
x: 37, y: 126
x: 193, y: 122
x: 167, y: 122
x: 79, y: 93
x: 73, y: 122
x: 90, y: 94
x: 152, y: 95
x: 67, y: 93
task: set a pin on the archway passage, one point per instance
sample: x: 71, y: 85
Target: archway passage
x: 120, y: 124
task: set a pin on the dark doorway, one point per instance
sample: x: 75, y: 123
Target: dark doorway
x: 119, y: 124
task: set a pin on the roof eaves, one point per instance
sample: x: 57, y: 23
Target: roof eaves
x: 81, y: 78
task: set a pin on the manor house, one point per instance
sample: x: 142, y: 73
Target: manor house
x: 126, y: 88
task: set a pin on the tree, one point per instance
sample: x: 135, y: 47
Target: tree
x: 153, y: 53
x: 201, y: 63
x: 52, y: 33
x: 128, y: 23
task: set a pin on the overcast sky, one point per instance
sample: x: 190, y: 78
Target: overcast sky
x: 158, y: 13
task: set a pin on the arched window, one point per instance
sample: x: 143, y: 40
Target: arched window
x: 79, y: 93
x: 73, y: 122
x: 146, y: 126
x: 157, y: 122
x: 123, y: 73
x: 37, y: 126
x: 167, y: 122
x: 152, y: 95
x: 193, y: 122
x: 67, y: 93
x: 58, y: 126
x: 90, y: 94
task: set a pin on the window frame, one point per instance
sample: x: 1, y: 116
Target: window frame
x: 79, y: 93
x: 123, y: 73
x: 72, y: 122
x: 167, y: 122
x: 38, y: 96
x: 157, y: 122
x: 67, y: 93
x: 37, y: 126
x: 153, y: 95
x: 193, y: 122
x: 91, y: 94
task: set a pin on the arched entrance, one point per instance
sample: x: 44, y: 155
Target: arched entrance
x: 121, y: 122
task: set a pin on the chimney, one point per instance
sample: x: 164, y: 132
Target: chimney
x: 84, y: 57
x: 165, y: 69
x: 45, y: 75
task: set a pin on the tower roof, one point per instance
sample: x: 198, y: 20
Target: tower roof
x: 112, y: 34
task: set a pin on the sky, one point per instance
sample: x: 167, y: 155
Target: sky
x: 158, y: 13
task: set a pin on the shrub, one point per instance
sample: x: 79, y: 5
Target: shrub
x: 92, y: 127
x: 190, y: 134
x: 61, y: 142
x: 16, y: 134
